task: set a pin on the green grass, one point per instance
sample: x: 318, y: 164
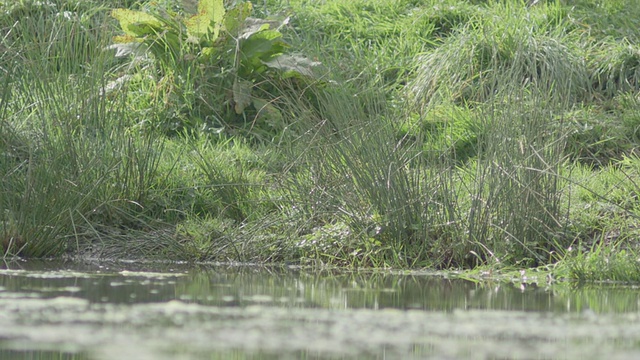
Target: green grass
x: 435, y: 134
x: 533, y: 45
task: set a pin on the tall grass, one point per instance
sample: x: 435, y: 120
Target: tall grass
x: 413, y: 208
x: 71, y: 165
x: 409, y: 209
x: 515, y: 191
x: 436, y: 137
x: 354, y: 170
x: 517, y: 72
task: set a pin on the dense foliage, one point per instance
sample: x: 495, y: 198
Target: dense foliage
x: 389, y: 133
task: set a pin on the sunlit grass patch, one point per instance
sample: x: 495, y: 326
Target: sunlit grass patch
x: 617, y: 18
x: 603, y: 211
x: 603, y: 263
x: 603, y: 133
x: 445, y: 130
x: 528, y: 44
x: 615, y: 66
x: 377, y: 39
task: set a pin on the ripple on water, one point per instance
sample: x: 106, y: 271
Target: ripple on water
x: 249, y: 315
x: 156, y: 328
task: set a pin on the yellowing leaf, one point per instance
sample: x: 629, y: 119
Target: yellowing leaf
x: 208, y: 52
x: 123, y: 39
x: 136, y: 23
x: 208, y: 20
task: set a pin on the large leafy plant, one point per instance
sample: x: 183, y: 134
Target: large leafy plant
x: 223, y: 53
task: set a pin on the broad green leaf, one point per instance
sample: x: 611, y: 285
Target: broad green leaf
x: 292, y: 65
x: 268, y: 113
x: 241, y: 95
x: 263, y: 44
x: 136, y: 23
x: 207, y: 53
x: 208, y: 20
x: 144, y: 29
x: 235, y: 18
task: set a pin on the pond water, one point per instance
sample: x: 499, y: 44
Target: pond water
x: 142, y: 311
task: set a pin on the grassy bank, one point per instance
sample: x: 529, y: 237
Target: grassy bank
x: 397, y: 134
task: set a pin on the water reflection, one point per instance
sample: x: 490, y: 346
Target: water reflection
x: 40, y: 355
x: 52, y: 310
x: 119, y: 283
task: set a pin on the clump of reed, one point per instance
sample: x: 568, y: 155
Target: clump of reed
x: 516, y: 78
x: 69, y: 165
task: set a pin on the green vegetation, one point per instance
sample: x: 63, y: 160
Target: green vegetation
x: 405, y: 134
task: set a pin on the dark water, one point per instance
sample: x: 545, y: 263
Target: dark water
x: 137, y: 311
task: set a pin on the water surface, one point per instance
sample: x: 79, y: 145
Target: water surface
x: 52, y: 310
